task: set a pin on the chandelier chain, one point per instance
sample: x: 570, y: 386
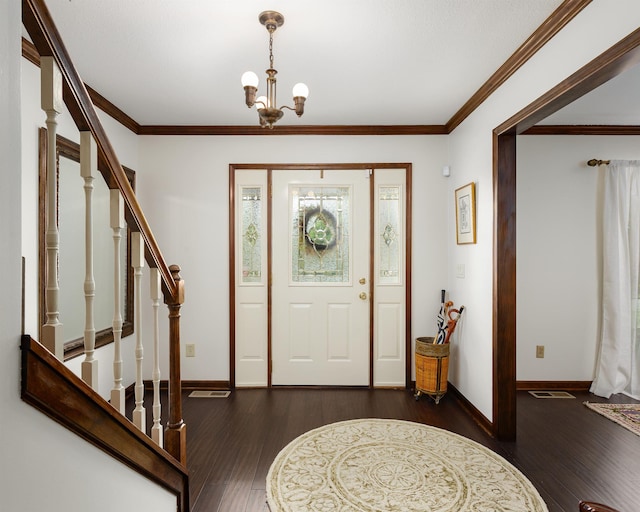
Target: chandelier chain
x: 271, y: 49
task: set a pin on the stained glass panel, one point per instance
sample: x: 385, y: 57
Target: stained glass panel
x: 390, y: 234
x: 320, y: 234
x: 251, y: 234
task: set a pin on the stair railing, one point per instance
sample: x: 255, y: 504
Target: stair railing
x: 61, y: 82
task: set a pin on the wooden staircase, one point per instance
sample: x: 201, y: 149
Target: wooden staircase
x: 46, y: 383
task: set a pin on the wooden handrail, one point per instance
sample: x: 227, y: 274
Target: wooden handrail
x: 47, y: 41
x: 46, y: 38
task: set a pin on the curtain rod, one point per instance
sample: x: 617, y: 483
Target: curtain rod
x: 595, y: 163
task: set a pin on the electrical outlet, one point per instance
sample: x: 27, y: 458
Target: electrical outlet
x: 540, y: 351
x: 190, y: 350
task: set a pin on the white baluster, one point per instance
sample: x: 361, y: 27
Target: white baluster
x: 88, y: 168
x: 156, y: 295
x: 137, y: 262
x: 51, y: 102
x: 118, y: 225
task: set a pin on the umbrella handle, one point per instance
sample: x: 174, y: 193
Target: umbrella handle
x: 459, y: 311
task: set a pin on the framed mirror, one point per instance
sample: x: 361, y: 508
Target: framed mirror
x: 71, y: 268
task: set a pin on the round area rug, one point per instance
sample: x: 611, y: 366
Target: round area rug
x: 391, y: 465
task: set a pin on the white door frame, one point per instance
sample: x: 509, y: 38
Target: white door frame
x: 233, y: 270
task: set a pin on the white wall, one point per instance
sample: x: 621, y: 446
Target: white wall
x: 183, y: 188
x: 126, y: 146
x: 182, y: 184
x: 184, y: 191
x: 471, y: 160
x: 559, y: 252
x: 34, y: 450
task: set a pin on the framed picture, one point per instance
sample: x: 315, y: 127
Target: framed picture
x: 466, y: 214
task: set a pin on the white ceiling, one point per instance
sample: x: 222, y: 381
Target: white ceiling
x: 381, y: 62
x: 615, y: 102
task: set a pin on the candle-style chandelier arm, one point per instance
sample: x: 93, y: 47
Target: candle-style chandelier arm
x: 299, y: 105
x: 268, y: 113
x: 250, y: 95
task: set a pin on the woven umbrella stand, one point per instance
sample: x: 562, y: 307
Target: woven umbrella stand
x: 432, y: 367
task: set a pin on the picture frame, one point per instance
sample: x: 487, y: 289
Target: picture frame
x: 465, y: 198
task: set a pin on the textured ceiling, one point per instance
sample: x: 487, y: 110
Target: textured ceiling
x: 383, y: 62
x: 615, y: 102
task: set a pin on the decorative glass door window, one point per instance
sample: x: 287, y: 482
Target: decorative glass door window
x: 389, y: 210
x: 320, y: 233
x: 251, y: 235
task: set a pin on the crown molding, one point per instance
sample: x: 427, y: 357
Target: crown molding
x: 583, y: 129
x: 109, y: 108
x: 295, y: 130
x: 568, y: 10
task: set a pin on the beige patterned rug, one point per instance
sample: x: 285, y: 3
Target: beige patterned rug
x: 394, y: 466
x: 627, y: 415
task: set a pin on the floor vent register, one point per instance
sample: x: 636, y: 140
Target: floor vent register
x: 551, y: 394
x: 209, y: 394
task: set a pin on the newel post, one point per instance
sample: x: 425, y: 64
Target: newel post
x: 176, y: 432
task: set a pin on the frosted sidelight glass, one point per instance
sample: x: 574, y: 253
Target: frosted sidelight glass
x: 251, y: 234
x: 389, y: 209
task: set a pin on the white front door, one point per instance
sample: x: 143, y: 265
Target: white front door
x: 320, y: 286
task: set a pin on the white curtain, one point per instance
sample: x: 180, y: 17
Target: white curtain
x: 618, y: 369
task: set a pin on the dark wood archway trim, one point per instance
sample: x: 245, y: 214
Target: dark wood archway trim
x: 504, y: 286
x: 609, y: 64
x: 583, y: 129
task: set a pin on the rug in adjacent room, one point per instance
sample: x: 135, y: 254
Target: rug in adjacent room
x: 627, y: 415
x: 391, y: 466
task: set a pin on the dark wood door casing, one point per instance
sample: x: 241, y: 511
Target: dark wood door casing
x: 232, y: 256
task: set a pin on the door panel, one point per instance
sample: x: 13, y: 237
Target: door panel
x: 320, y: 233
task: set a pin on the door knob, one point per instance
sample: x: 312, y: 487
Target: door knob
x: 363, y: 296
x: 362, y: 280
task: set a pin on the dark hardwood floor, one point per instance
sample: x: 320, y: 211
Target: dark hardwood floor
x: 568, y: 451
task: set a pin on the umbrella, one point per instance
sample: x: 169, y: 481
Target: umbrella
x: 451, y: 323
x: 440, y: 320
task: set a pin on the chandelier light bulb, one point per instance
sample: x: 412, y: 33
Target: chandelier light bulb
x: 249, y: 79
x: 300, y: 90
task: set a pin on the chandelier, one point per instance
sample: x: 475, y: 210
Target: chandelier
x: 268, y: 112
